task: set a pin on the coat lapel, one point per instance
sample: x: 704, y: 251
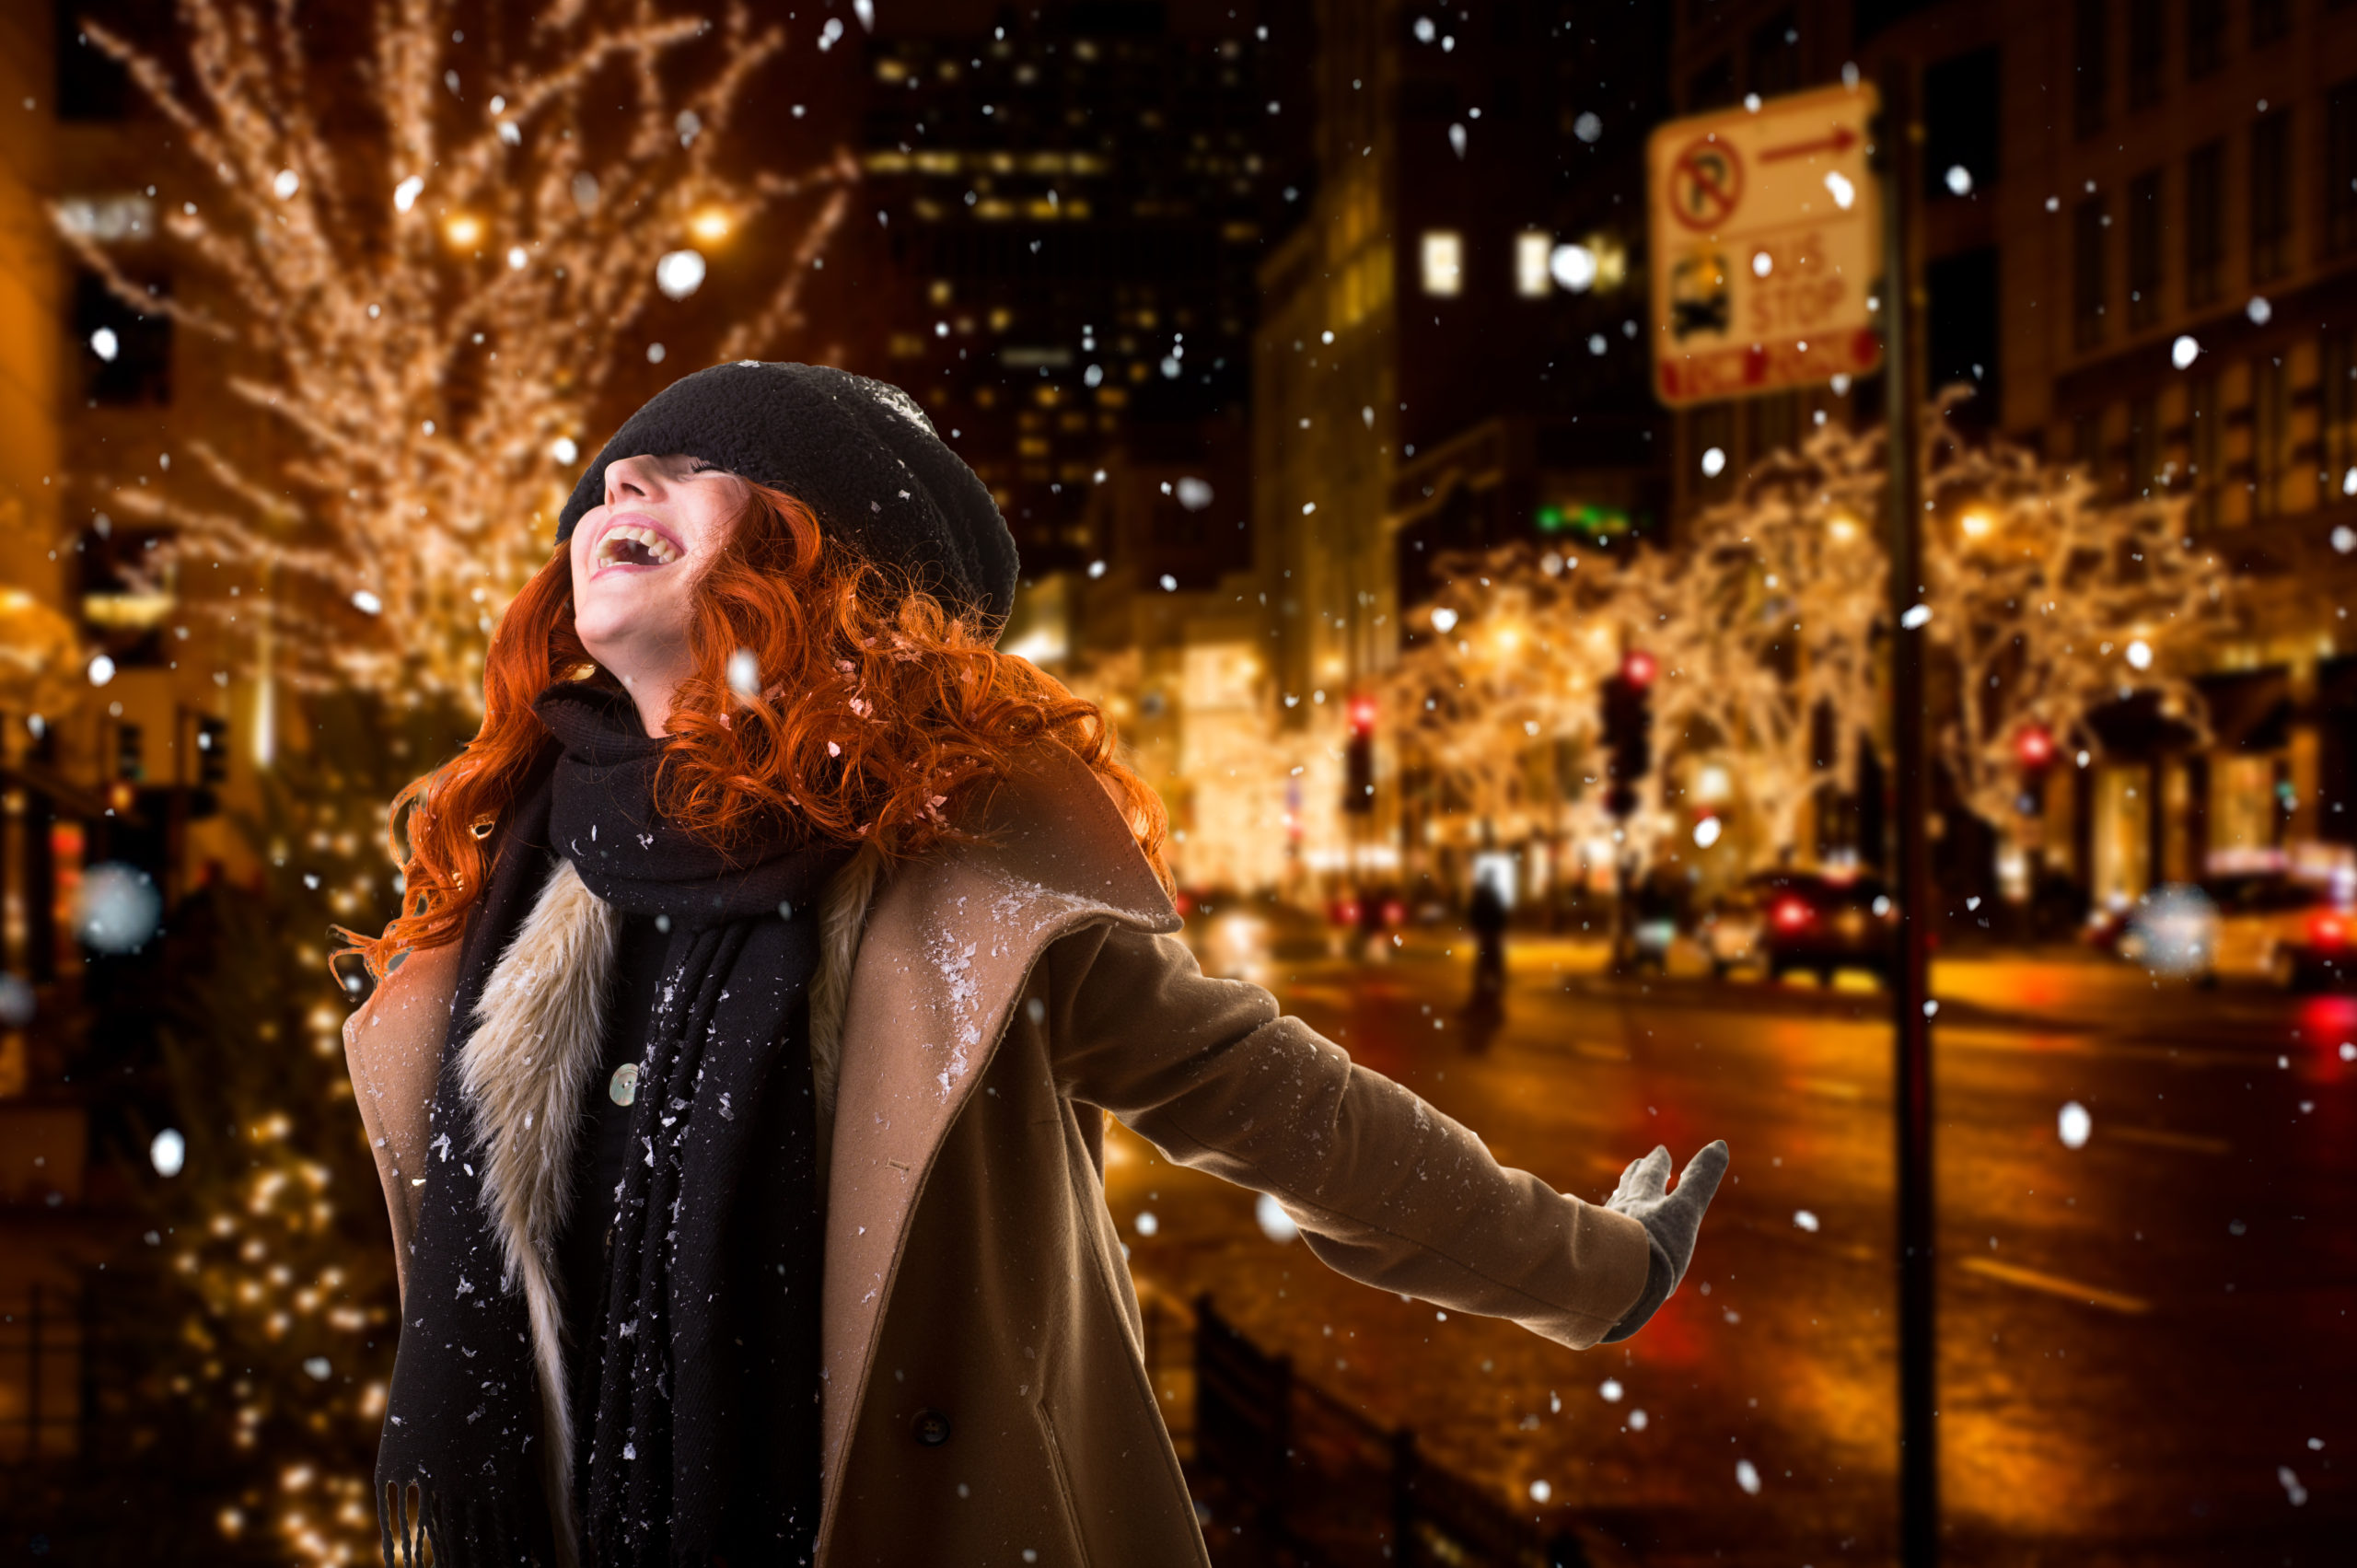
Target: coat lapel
x: 948, y: 949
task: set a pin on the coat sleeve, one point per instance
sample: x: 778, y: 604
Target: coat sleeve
x: 392, y: 1046
x: 1386, y: 1189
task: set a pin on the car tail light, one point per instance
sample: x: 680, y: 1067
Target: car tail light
x: 2328, y: 928
x: 1395, y: 913
x: 1791, y: 914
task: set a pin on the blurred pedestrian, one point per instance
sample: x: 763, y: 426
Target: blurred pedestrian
x: 767, y: 965
x: 1487, y: 915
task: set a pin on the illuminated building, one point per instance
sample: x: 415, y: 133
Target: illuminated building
x: 1448, y: 357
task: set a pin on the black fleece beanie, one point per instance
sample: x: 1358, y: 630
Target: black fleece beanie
x: 860, y: 454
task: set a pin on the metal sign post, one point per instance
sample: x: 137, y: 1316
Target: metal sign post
x: 1898, y: 165
x: 1767, y: 230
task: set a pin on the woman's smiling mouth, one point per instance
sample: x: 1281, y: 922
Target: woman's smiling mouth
x: 628, y: 543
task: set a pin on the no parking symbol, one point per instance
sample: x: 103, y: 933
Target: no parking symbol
x: 1705, y: 184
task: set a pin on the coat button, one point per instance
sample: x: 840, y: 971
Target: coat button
x: 931, y: 1428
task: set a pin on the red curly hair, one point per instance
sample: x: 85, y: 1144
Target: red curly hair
x: 880, y: 713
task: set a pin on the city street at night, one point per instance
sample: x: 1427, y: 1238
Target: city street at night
x: 2144, y: 1357
x: 643, y: 644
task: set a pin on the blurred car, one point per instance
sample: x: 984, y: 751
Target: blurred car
x: 2107, y: 929
x: 1370, y: 910
x: 2292, y: 932
x: 1782, y: 921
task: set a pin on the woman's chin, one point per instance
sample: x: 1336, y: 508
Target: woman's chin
x: 602, y: 636
x: 620, y: 620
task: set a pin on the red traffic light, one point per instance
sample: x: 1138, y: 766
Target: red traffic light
x: 1638, y: 669
x: 1362, y: 715
x: 2034, y: 746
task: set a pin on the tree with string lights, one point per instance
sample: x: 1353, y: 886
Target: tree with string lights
x: 265, y: 1384
x: 1506, y: 664
x: 1771, y: 609
x: 424, y: 294
x: 2048, y: 603
x: 1768, y: 618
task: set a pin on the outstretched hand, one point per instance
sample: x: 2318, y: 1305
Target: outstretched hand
x: 1672, y: 1220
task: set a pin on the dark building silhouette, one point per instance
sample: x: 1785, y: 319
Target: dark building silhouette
x: 1077, y: 196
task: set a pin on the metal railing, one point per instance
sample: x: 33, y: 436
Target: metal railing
x: 41, y: 1376
x: 1292, y: 1478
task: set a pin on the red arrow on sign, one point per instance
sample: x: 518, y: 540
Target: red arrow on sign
x: 1842, y: 141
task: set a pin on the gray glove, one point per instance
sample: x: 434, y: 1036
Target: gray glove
x: 1671, y: 1221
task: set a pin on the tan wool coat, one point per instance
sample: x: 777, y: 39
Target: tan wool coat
x: 976, y: 1016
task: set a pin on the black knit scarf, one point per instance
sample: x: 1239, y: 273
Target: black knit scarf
x: 704, y: 1443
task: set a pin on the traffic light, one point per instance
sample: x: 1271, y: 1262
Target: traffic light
x: 1628, y: 731
x: 1358, y: 770
x: 2034, y: 749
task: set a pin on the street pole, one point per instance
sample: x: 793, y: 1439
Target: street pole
x: 1898, y: 152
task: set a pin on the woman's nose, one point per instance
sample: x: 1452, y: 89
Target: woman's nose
x: 631, y: 478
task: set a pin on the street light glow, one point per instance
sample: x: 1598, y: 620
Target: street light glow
x: 463, y: 230
x: 1574, y: 267
x: 710, y: 225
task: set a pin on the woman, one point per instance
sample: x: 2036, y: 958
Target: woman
x: 767, y: 965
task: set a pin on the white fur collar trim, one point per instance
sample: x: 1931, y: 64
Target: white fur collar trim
x: 537, y: 1038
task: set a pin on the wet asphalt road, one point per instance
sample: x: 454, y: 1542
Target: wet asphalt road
x: 2146, y: 1346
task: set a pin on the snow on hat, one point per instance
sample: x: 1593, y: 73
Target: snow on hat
x: 860, y: 454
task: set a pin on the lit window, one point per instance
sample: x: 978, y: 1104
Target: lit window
x: 1532, y: 251
x: 1444, y: 262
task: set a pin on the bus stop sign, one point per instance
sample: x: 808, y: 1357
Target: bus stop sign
x: 1766, y: 240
